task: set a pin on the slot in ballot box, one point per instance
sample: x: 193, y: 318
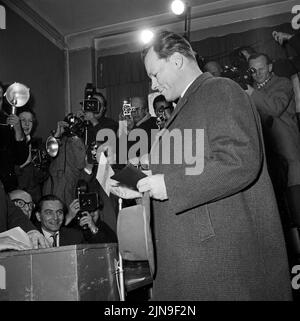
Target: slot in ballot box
x: 85, y: 272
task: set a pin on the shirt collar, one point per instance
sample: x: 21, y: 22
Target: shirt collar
x: 48, y: 236
x: 263, y: 84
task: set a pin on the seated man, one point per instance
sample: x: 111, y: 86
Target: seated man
x: 23, y: 200
x: 94, y: 229
x: 11, y: 216
x: 50, y: 214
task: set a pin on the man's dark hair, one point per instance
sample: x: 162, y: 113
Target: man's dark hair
x: 144, y: 101
x: 98, y: 93
x: 162, y: 98
x: 260, y: 54
x: 50, y: 197
x: 166, y: 43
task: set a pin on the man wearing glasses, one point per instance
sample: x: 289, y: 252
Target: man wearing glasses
x: 23, y: 200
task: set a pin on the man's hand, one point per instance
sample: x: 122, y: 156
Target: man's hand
x: 74, y: 207
x: 155, y: 184
x: 37, y: 240
x: 281, y: 37
x: 14, y: 121
x: 60, y: 129
x: 249, y: 90
x: 123, y: 191
x: 87, y: 220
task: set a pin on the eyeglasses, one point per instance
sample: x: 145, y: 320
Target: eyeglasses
x: 21, y: 203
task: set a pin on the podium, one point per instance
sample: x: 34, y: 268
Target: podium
x: 85, y: 272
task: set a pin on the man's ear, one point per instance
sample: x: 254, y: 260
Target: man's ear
x: 38, y: 216
x: 270, y: 67
x: 177, y: 60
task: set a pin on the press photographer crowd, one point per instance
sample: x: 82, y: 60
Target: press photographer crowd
x: 232, y: 232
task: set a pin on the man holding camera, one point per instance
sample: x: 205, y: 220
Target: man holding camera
x: 94, y: 114
x: 94, y: 229
x: 13, y: 147
x: 50, y: 215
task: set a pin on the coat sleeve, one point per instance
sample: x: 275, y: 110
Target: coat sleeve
x: 294, y: 42
x: 276, y: 101
x: 233, y: 150
x: 21, y: 151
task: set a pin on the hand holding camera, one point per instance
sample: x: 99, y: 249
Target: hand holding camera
x: 14, y: 121
x: 60, y: 129
x: 86, y: 221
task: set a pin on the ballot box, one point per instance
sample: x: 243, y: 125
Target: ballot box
x: 85, y: 272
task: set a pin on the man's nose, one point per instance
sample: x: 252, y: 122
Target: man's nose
x: 56, y: 216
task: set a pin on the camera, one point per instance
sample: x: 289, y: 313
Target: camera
x: 239, y: 75
x: 76, y: 125
x: 88, y: 202
x: 127, y: 108
x: 89, y: 103
x: 92, y: 105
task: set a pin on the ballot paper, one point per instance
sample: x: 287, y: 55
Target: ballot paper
x: 104, y: 172
x: 14, y: 239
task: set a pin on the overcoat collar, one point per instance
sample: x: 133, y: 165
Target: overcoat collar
x: 198, y: 82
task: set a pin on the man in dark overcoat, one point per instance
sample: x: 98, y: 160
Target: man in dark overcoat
x: 217, y: 230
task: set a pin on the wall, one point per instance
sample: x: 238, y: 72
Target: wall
x: 80, y: 66
x: 28, y: 57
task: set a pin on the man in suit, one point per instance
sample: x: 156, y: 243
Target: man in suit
x: 275, y: 100
x: 142, y: 120
x: 12, y: 216
x: 217, y: 230
x: 50, y: 214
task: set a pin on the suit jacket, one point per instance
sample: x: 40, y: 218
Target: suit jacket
x: 12, y: 216
x: 218, y: 236
x: 68, y: 236
x: 65, y: 169
x: 276, y: 99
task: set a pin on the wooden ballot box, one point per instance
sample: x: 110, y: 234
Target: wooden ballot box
x: 85, y: 272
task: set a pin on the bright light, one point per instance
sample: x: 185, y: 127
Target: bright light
x: 146, y: 36
x: 178, y: 7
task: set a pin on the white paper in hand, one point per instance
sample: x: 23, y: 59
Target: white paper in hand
x: 14, y: 239
x: 104, y: 172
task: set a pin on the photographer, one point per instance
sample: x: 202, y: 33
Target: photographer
x: 94, y: 229
x: 66, y: 167
x: 94, y: 114
x: 13, y: 147
x: 32, y: 173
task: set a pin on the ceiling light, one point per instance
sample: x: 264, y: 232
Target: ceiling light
x: 146, y: 36
x: 178, y: 7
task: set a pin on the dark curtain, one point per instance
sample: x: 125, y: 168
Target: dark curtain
x: 124, y: 75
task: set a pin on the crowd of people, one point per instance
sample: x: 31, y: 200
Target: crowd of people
x: 220, y: 234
